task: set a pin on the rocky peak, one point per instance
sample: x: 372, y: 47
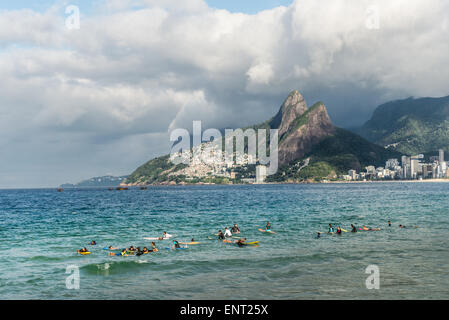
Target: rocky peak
x: 292, y: 108
x: 304, y: 132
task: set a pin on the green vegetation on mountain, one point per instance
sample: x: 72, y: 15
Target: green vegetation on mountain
x: 410, y: 126
x: 154, y: 171
x: 335, y: 155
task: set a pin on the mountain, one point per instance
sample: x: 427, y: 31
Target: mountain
x: 309, y: 147
x: 311, y: 142
x: 410, y: 126
x: 105, y: 181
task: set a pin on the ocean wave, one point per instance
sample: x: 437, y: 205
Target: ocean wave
x: 47, y: 258
x: 115, y: 267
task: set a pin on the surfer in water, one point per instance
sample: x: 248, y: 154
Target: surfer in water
x: 241, y: 242
x: 165, y: 235
x: 153, y: 246
x: 331, y: 230
x: 122, y: 253
x: 268, y: 226
x: 338, y: 230
x: 318, y: 235
x: 176, y: 244
x: 93, y: 243
x: 389, y: 223
x: 220, y: 235
x: 235, y: 229
x: 82, y: 250
x: 227, y: 233
x: 354, y: 229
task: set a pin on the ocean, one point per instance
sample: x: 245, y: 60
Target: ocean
x: 41, y: 230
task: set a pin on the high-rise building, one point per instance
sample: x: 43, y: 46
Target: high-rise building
x: 441, y: 155
x: 391, y: 163
x: 442, y: 169
x: 352, y: 174
x: 261, y: 173
x: 414, y: 168
x: 405, y: 161
x: 427, y: 171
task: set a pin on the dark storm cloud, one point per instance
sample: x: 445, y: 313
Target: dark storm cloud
x: 103, y: 98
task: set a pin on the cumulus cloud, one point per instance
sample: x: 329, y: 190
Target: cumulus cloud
x: 141, y: 68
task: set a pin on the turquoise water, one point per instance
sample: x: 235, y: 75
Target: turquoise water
x: 41, y: 230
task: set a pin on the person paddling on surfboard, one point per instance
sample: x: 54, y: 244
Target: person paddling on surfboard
x: 165, y: 235
x: 153, y: 246
x: 338, y: 230
x: 331, y: 230
x: 122, y: 253
x: 268, y: 226
x: 318, y: 235
x: 220, y: 235
x: 235, y: 229
x: 241, y: 242
x: 227, y: 233
x: 176, y: 245
x: 354, y: 229
x: 82, y: 250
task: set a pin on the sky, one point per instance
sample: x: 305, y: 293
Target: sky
x: 102, y: 98
x: 89, y: 6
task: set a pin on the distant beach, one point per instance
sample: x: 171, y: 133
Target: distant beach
x: 395, y: 181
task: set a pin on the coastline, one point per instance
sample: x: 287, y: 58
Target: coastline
x: 394, y: 181
x: 286, y: 182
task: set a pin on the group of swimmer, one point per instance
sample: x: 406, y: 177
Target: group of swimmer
x: 228, y: 233
x: 131, y: 251
x: 124, y: 252
x: 137, y: 251
x: 354, y: 229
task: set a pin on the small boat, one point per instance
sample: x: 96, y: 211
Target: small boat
x: 122, y: 188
